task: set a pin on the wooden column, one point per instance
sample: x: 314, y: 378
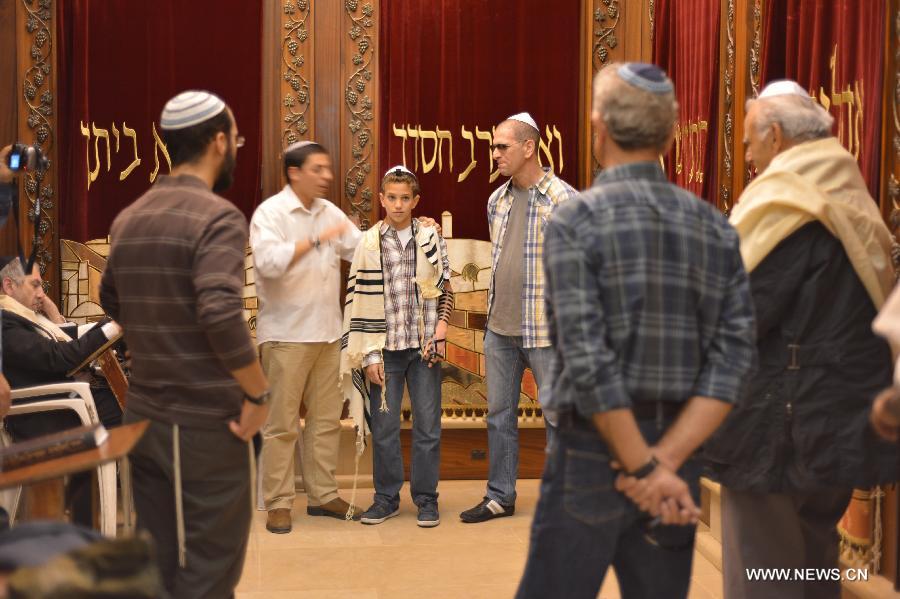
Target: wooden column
x: 358, y: 177
x: 890, y: 136
x: 288, y: 90
x: 9, y: 99
x: 611, y: 31
x: 36, y: 82
x: 739, y: 72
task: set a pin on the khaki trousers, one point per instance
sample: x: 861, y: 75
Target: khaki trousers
x: 301, y: 373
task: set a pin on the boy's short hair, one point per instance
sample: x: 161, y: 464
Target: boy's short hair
x: 399, y: 174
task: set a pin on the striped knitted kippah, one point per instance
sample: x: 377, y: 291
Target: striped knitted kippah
x: 647, y: 77
x: 190, y: 108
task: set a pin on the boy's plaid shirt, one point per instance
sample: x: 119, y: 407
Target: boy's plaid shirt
x: 542, y: 199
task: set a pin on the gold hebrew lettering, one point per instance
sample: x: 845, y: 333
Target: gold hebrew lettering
x: 496, y: 172
x: 442, y: 135
x: 92, y: 174
x: 116, y: 135
x: 489, y: 138
x: 159, y: 146
x: 413, y: 132
x: 129, y: 132
x: 857, y: 129
x: 678, y: 166
x: 558, y: 137
x: 690, y: 135
x: 424, y: 134
x: 545, y: 148
x: 823, y: 99
x: 401, y: 133
x: 702, y: 126
x: 472, y: 162
x: 98, y: 134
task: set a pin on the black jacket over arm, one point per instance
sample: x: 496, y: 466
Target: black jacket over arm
x: 30, y: 358
x: 802, y: 423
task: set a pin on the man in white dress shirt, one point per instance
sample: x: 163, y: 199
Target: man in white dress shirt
x: 298, y: 240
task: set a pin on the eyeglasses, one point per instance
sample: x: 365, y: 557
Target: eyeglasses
x: 239, y: 141
x: 503, y: 147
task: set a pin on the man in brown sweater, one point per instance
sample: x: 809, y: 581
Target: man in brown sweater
x: 173, y: 281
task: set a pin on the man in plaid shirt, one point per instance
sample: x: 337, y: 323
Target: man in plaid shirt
x: 652, y: 325
x: 516, y: 335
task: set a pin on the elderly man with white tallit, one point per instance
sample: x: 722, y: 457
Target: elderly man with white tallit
x: 799, y: 442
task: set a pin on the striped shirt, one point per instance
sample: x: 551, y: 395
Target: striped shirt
x: 174, y: 281
x: 647, y: 296
x: 542, y: 199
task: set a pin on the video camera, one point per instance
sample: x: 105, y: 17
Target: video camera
x: 26, y: 158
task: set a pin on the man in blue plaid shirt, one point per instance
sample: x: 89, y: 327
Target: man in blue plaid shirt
x: 652, y: 324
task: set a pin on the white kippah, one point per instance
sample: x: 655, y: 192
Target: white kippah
x: 393, y: 171
x: 783, y: 87
x: 190, y: 108
x: 524, y: 117
x: 297, y: 145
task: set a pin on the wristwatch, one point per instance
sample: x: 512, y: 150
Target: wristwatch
x: 645, y: 470
x: 261, y: 400
x: 314, y: 242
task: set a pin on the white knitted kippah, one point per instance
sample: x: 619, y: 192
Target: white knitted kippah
x: 783, y: 87
x: 297, y: 145
x: 393, y: 171
x: 190, y: 108
x: 524, y: 117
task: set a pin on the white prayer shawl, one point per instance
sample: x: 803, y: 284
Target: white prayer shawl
x: 45, y: 326
x: 365, y: 327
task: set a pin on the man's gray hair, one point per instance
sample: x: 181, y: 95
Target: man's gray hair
x: 800, y: 117
x: 13, y: 270
x: 636, y: 119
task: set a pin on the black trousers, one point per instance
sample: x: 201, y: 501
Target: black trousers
x: 215, y: 475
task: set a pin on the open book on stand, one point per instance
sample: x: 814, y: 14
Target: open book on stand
x: 49, y: 447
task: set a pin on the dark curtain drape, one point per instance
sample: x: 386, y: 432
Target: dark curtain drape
x: 118, y: 63
x: 448, y: 64
x: 800, y: 39
x: 686, y: 45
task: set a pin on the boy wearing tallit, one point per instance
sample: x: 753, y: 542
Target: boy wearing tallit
x: 395, y: 324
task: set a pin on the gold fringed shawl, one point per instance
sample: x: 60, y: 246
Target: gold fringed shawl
x: 817, y: 180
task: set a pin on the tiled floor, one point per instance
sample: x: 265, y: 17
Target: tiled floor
x: 324, y: 558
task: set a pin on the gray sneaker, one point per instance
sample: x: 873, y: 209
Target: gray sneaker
x: 428, y: 515
x: 378, y: 513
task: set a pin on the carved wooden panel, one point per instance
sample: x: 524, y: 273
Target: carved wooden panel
x: 358, y: 177
x: 36, y: 78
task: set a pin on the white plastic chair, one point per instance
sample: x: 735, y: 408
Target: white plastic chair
x: 77, y: 397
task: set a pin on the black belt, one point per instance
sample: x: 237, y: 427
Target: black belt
x: 650, y: 410
x: 794, y: 356
x: 642, y: 410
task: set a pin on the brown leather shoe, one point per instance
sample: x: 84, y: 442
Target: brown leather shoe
x: 336, y: 508
x: 279, y: 521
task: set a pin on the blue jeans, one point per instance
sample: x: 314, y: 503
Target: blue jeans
x: 582, y: 525
x: 424, y: 386
x: 506, y: 360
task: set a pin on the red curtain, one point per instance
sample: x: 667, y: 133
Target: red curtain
x: 801, y: 37
x: 449, y: 64
x: 118, y: 63
x: 686, y: 45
